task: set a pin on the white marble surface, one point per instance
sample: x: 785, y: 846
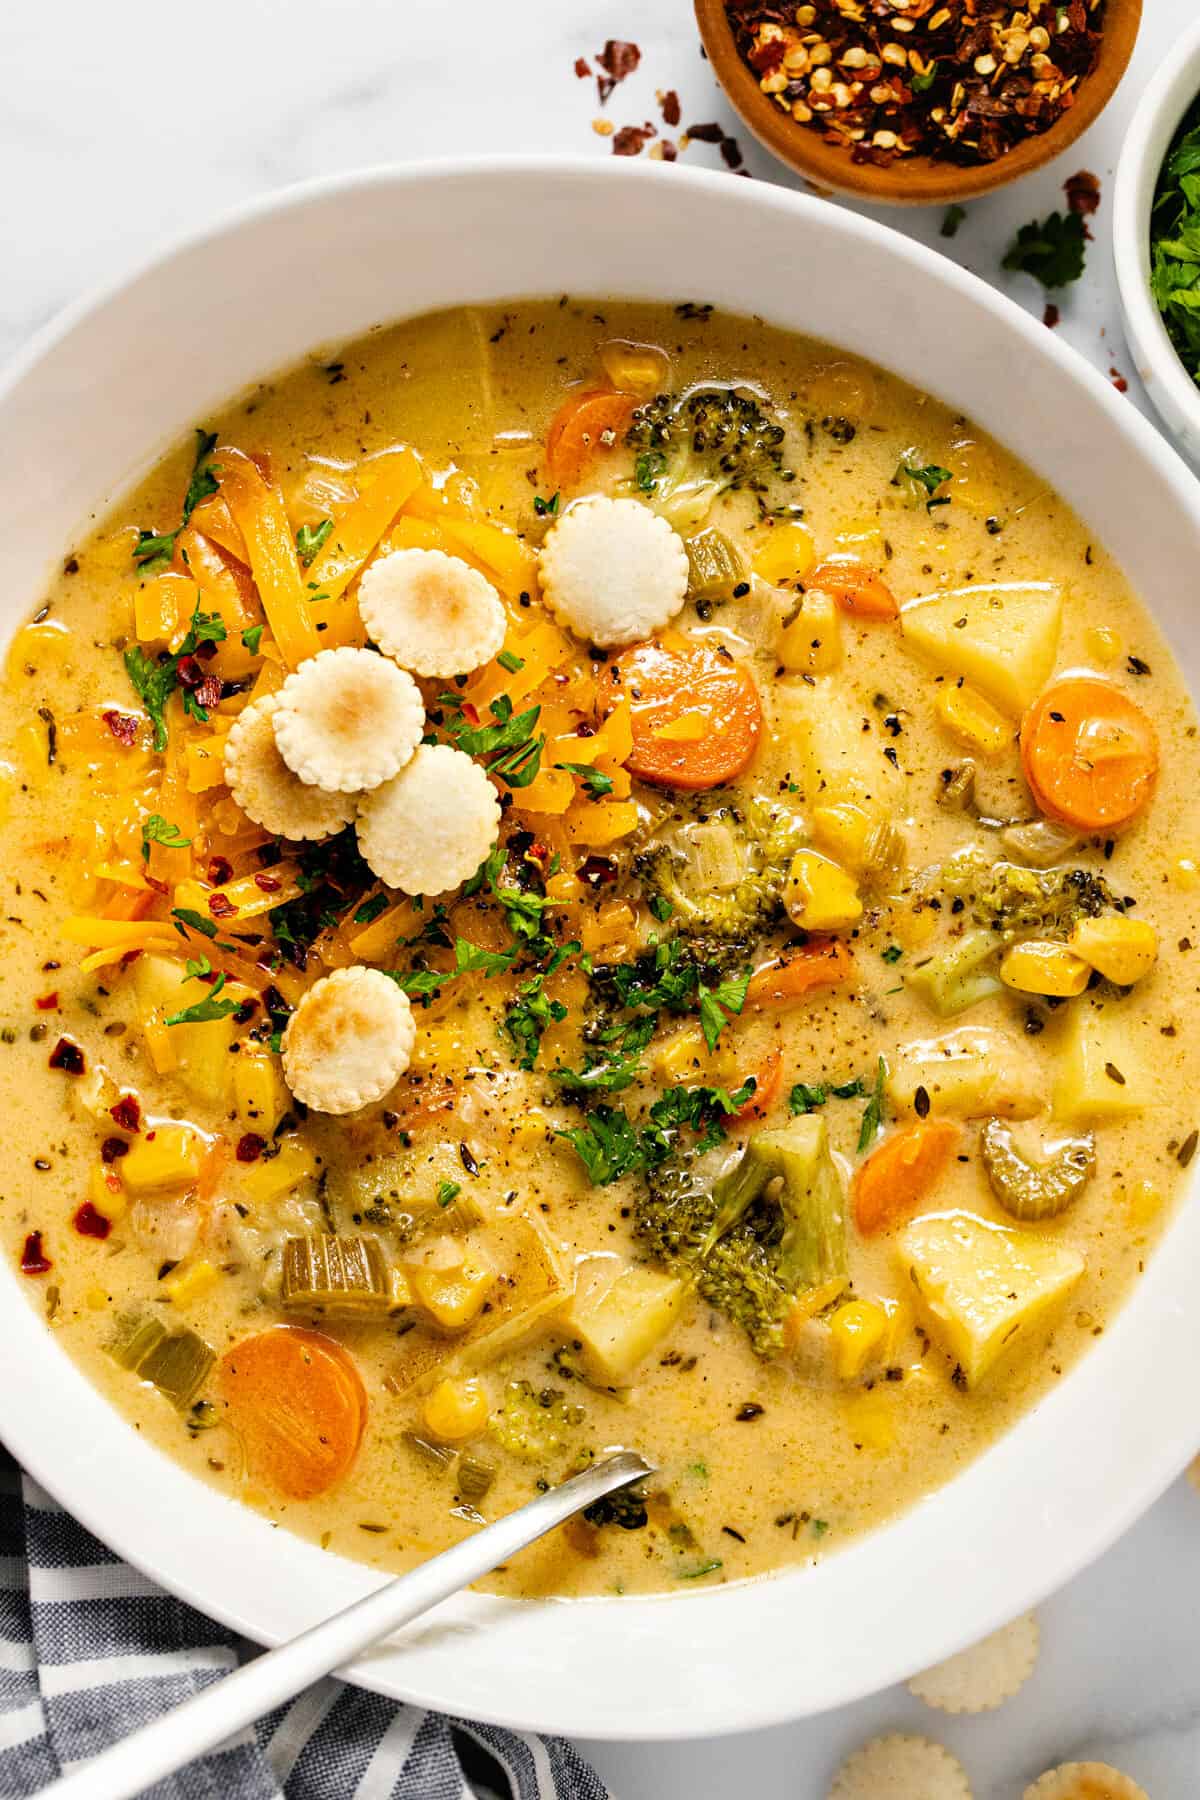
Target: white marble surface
x: 122, y: 125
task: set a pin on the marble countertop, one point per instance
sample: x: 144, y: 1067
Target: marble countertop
x: 125, y: 125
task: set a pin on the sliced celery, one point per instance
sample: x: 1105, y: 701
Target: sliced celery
x: 475, y: 1477
x: 714, y: 566
x: 136, y: 1336
x: 335, y: 1274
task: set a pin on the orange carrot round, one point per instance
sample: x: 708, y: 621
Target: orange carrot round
x: 856, y: 587
x: 1089, y: 752
x: 695, y: 713
x: 898, y: 1174
x: 578, y: 431
x: 297, y: 1402
x: 768, y: 1079
x: 821, y: 963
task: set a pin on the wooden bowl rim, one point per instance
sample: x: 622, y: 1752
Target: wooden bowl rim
x: 916, y: 180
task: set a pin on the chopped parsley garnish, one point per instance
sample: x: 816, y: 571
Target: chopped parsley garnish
x: 448, y: 1191
x: 309, y: 539
x: 716, y: 1005
x: 923, y: 481
x: 186, y: 917
x: 252, y: 638
x: 157, y: 830
x: 952, y: 218
x: 805, y: 1098
x: 508, y: 749
x: 156, y: 679
x: 371, y: 909
x: 1053, y: 252
x: 610, y: 1145
x: 155, y: 550
x: 208, y: 1009
x: 526, y: 1020
x: 647, y: 469
x: 545, y: 509
x: 662, y: 908
x: 892, y: 954
x: 508, y: 659
x: 596, y: 783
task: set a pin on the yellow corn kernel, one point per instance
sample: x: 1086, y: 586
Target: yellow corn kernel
x: 820, y: 895
x: 97, y: 1299
x: 273, y: 1176
x: 869, y: 1419
x: 787, y: 555
x: 106, y: 1193
x: 181, y: 1290
x: 608, y: 930
x: 1123, y: 950
x: 641, y: 369
x: 843, y: 830
x: 166, y: 1157
x: 452, y: 1291
x: 1043, y: 967
x: 857, y: 1331
x: 1103, y: 644
x: 970, y: 717
x: 812, y: 642
x: 688, y: 728
x: 1143, y: 1202
x: 914, y: 926
x: 564, y: 890
x: 259, y: 1092
x: 43, y: 646
x: 531, y: 1127
x: 680, y: 1055
x: 1185, y: 873
x: 455, y: 1411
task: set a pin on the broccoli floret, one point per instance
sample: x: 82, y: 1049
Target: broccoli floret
x: 1020, y: 902
x: 769, y: 1231
x: 692, y: 448
x: 626, y: 1508
x: 535, y: 1423
x: 762, y: 838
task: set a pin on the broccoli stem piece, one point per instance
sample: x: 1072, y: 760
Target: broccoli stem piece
x: 812, y: 1249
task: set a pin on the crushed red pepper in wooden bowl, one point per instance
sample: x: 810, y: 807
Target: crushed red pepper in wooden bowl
x: 963, y: 80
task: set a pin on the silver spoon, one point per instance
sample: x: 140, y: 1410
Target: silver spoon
x: 225, y: 1707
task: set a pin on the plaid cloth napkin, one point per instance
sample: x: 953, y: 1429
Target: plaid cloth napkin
x: 90, y: 1649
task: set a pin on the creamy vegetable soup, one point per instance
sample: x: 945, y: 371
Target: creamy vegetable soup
x: 583, y: 875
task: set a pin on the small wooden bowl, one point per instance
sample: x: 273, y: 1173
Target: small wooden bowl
x: 911, y: 180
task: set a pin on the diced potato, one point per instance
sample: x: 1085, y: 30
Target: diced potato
x: 620, y: 1328
x: 199, y: 1052
x: 1123, y: 950
x: 274, y: 1176
x: 857, y: 1330
x: 972, y: 1073
x: 1001, y: 635
x: 165, y: 1159
x: 259, y: 1091
x: 985, y: 1288
x: 1041, y: 966
x: 837, y: 760
x: 970, y: 717
x: 811, y: 643
x: 821, y: 896
x: 1100, y: 1070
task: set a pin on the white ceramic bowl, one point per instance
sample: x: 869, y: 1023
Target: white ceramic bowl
x: 1158, y: 116
x: 97, y: 398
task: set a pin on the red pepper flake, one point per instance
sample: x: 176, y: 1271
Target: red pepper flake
x: 208, y: 694
x: 1083, y: 192
x: 189, y: 672
x: 47, y: 1002
x: 706, y: 134
x: 671, y: 110
x: 127, y: 1113
x: 250, y: 1147
x: 618, y: 59
x: 669, y: 151
x: 220, y: 870
x: 67, y: 1056
x: 90, y: 1223
x: 731, y: 152
x: 124, y: 726
x: 582, y: 67
x: 630, y: 140
x: 1118, y: 381
x: 113, y: 1149
x: 270, y: 884
x: 130, y: 956
x: 220, y: 907
x: 1051, y: 315
x: 34, y: 1260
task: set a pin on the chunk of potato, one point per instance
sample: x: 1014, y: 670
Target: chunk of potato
x: 836, y: 759
x: 201, y: 1051
x: 618, y: 1330
x: 1001, y: 635
x: 972, y: 1073
x: 985, y: 1288
x: 1100, y: 1070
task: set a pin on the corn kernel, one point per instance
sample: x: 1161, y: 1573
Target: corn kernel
x: 972, y: 718
x: 1123, y: 950
x: 608, y: 930
x: 812, y: 642
x: 274, y: 1176
x: 641, y: 369
x: 1103, y: 644
x: 869, y: 1420
x: 259, y: 1092
x: 455, y: 1411
x: 106, y: 1193
x: 1186, y: 873
x: 564, y: 890
x: 680, y: 1056
x: 168, y: 1157
x: 820, y: 895
x: 857, y: 1331
x: 843, y: 830
x: 787, y: 555
x: 452, y: 1284
x: 97, y: 1299
x: 1040, y: 967
x: 531, y: 1127
x: 181, y: 1290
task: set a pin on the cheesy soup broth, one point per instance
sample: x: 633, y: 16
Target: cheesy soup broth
x: 810, y: 1241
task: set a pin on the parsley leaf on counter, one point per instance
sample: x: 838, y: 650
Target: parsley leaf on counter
x: 1053, y: 252
x: 1175, y: 243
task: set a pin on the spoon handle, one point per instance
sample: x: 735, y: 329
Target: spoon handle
x: 225, y: 1707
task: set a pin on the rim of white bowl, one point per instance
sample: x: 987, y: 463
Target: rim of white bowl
x: 1156, y: 118
x: 746, y: 1615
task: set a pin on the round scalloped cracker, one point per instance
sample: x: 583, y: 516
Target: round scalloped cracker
x: 430, y: 612
x: 266, y: 789
x: 901, y: 1767
x: 985, y: 1675
x: 1085, y: 1781
x: 349, y: 1040
x: 613, y: 572
x: 348, y: 720
x: 429, y: 827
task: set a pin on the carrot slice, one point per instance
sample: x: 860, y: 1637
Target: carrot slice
x: 821, y: 963
x: 663, y: 683
x: 1089, y: 752
x: 298, y: 1402
x: 768, y: 1079
x: 896, y: 1177
x: 856, y: 588
x: 578, y: 430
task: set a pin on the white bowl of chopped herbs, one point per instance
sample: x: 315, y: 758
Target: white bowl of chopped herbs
x: 1156, y: 240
